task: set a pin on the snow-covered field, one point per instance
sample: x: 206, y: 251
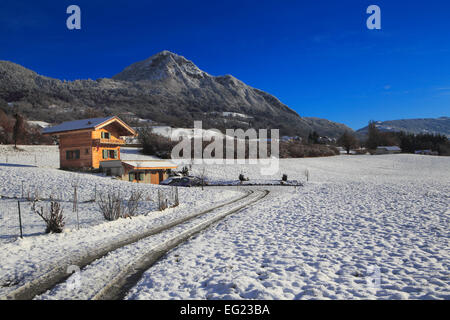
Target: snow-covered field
x: 361, y: 227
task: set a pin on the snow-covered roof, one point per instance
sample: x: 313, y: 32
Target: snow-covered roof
x: 77, y: 125
x: 86, y: 124
x: 41, y: 124
x: 390, y: 148
x: 150, y: 164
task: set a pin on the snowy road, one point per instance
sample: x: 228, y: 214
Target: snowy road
x: 111, y: 276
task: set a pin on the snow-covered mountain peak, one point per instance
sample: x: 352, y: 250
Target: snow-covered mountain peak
x: 162, y: 65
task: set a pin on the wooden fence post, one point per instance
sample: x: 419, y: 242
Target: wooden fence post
x: 20, y: 220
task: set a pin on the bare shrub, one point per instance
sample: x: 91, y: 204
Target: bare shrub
x: 133, y: 203
x: 34, y: 197
x: 110, y: 205
x: 53, y: 218
x: 176, y: 201
x: 295, y: 149
x: 113, y: 207
x: 155, y: 144
x: 242, y: 178
x: 162, y: 201
x: 185, y: 171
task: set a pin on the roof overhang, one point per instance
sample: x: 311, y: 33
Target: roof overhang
x: 129, y: 131
x: 149, y: 164
x: 126, y: 129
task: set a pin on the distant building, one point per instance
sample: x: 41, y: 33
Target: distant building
x: 289, y: 138
x: 326, y: 140
x: 388, y: 150
x: 146, y: 171
x: 427, y: 152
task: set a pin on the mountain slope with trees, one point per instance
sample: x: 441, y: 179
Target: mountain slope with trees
x: 166, y: 88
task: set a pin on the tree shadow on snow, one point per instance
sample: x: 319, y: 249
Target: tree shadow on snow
x: 16, y: 165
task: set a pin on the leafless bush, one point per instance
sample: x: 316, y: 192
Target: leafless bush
x: 133, y: 202
x: 296, y: 149
x: 111, y: 206
x: 242, y: 178
x: 34, y: 197
x: 185, y: 171
x: 162, y: 201
x: 53, y: 218
x: 176, y: 201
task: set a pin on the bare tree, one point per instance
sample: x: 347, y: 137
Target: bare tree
x: 19, y: 129
x: 348, y: 141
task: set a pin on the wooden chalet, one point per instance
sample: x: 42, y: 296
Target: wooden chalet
x: 86, y: 144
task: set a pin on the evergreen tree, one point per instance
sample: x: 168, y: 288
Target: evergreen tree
x: 373, y: 141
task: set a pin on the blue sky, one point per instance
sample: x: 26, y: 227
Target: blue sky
x: 317, y: 57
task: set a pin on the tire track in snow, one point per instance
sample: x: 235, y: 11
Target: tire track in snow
x: 58, y: 274
x: 132, y: 273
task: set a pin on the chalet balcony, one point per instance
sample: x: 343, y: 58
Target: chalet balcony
x: 108, y: 141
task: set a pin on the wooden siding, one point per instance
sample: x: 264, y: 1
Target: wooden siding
x: 73, y: 142
x: 86, y: 146
x: 97, y: 153
x: 88, y: 142
x: 150, y: 176
x: 114, y: 135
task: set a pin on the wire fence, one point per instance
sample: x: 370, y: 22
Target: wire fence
x: 45, y: 159
x: 83, y: 212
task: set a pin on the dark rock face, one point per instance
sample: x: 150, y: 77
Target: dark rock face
x: 165, y: 88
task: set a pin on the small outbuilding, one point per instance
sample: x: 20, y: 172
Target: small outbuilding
x: 388, y: 150
x: 146, y: 171
x: 428, y: 152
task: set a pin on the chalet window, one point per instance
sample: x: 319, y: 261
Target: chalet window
x: 132, y: 176
x: 110, y: 154
x: 113, y: 154
x: 140, y: 176
x: 73, y: 154
x: 105, y: 135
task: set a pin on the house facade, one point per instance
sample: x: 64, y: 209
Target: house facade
x: 85, y: 144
